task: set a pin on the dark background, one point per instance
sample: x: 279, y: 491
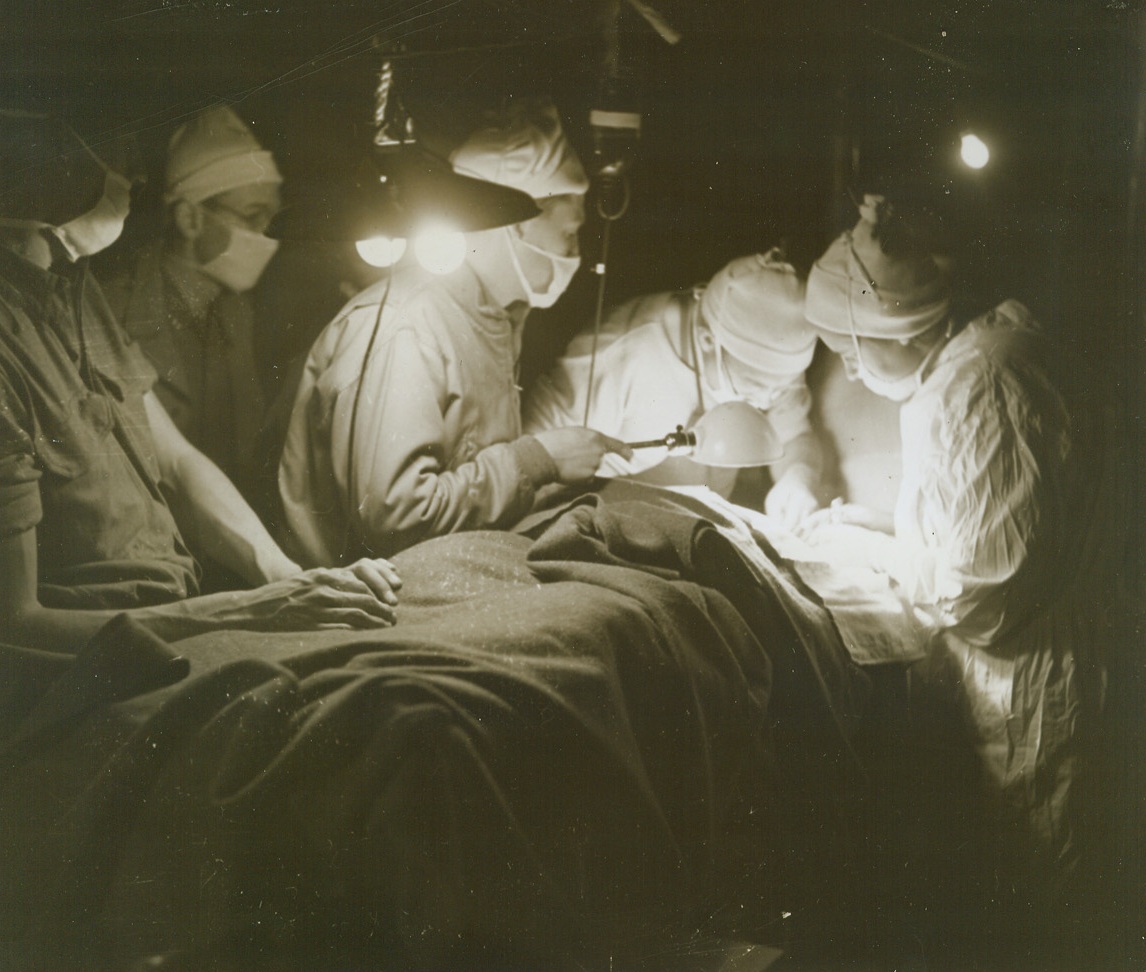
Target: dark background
x: 755, y: 125
x: 756, y: 128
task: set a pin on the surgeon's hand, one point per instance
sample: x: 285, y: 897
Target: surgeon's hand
x: 791, y: 499
x: 846, y: 514
x: 361, y: 595
x: 577, y: 452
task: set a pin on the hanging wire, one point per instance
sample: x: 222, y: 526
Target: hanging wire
x: 603, y: 268
x: 354, y: 506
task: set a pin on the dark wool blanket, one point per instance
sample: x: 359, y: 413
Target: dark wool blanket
x: 584, y: 741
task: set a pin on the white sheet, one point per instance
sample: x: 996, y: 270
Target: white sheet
x: 878, y: 625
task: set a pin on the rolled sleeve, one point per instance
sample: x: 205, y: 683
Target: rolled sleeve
x: 978, y: 493
x: 20, y: 507
x: 535, y: 462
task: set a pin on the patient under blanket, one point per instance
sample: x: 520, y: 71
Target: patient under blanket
x: 573, y: 743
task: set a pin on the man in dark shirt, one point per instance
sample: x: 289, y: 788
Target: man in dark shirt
x: 96, y: 481
x: 185, y: 297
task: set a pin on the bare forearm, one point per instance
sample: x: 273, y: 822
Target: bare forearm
x: 210, y: 509
x: 359, y: 596
x: 227, y: 528
x: 67, y: 630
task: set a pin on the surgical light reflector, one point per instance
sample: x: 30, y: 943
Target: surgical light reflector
x: 732, y: 435
x: 381, y: 251
x: 440, y: 249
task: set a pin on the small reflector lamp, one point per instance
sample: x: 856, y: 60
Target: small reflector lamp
x: 733, y: 435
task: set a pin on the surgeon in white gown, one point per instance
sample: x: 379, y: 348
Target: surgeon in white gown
x: 985, y: 541
x: 664, y: 359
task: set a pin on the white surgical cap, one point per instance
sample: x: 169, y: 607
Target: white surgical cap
x: 856, y: 283
x: 524, y: 149
x: 213, y: 153
x: 755, y: 309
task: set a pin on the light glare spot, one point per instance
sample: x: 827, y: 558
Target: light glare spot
x: 381, y: 251
x: 974, y: 152
x: 440, y: 249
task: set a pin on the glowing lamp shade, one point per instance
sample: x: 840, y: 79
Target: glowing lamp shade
x: 381, y: 251
x: 735, y: 435
x: 973, y: 151
x: 417, y: 190
x: 440, y: 249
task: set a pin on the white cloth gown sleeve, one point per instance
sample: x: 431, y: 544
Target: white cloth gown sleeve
x: 983, y: 441
x: 642, y: 387
x: 412, y: 478
x: 437, y: 444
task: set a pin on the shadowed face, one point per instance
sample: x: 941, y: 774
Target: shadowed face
x: 555, y: 228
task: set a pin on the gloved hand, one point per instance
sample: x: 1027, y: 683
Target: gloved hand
x: 847, y: 514
x: 577, y: 451
x: 791, y: 498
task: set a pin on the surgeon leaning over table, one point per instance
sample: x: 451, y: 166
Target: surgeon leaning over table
x: 664, y: 359
x: 986, y: 536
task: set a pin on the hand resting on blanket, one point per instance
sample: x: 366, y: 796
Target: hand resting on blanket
x: 360, y: 595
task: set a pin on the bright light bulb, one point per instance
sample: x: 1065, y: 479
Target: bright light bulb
x: 440, y: 249
x: 974, y: 152
x: 381, y: 251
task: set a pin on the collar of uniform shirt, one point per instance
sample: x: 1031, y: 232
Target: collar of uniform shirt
x: 33, y: 282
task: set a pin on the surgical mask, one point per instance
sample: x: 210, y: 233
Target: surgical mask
x: 101, y: 225
x: 240, y: 265
x: 893, y: 389
x: 756, y: 389
x: 896, y: 389
x: 563, y: 267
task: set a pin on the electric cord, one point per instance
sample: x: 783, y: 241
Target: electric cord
x: 351, y: 473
